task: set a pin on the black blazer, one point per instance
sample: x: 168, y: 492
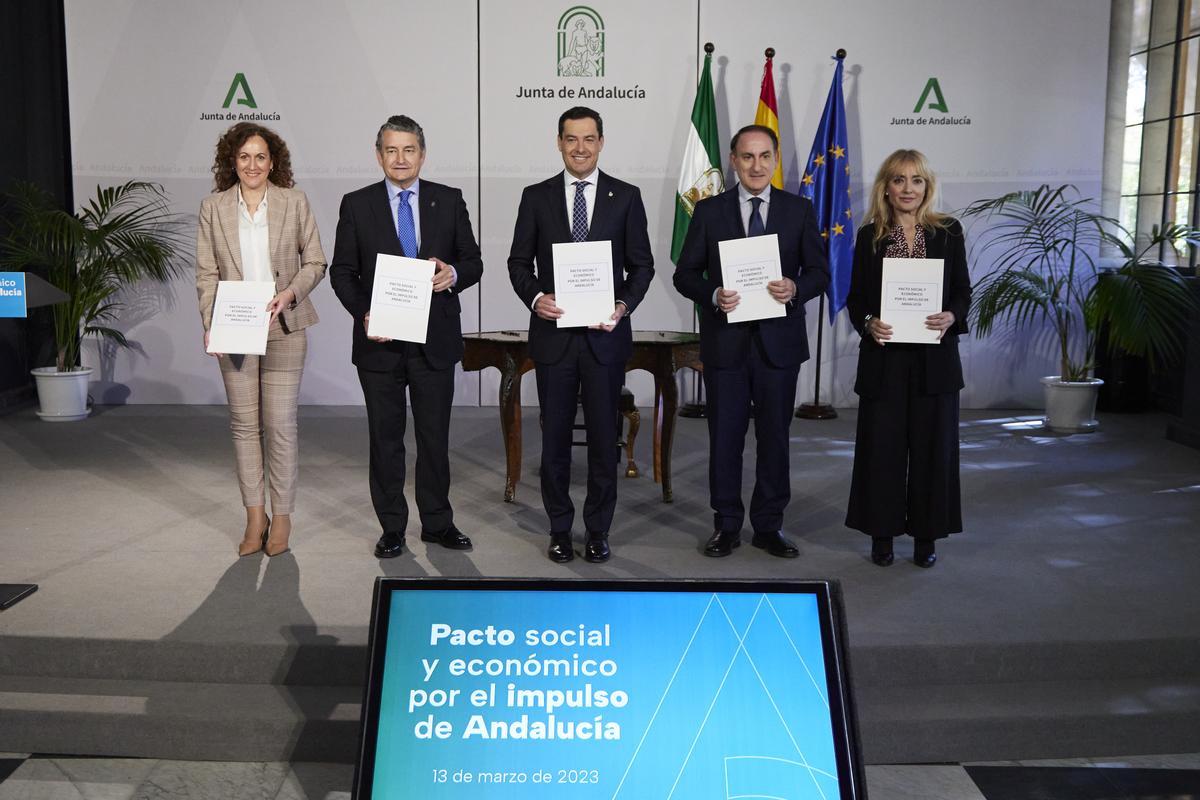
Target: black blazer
x: 802, y: 257
x: 943, y: 369
x: 619, y: 216
x: 365, y: 229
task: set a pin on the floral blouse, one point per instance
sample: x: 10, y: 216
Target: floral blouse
x: 898, y: 248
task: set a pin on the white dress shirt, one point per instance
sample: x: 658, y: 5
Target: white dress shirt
x: 254, y: 241
x: 745, y: 206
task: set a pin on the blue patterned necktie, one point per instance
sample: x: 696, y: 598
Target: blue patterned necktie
x: 756, y: 227
x: 405, y: 229
x: 579, y: 221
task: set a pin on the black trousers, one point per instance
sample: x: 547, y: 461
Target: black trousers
x: 734, y: 393
x: 905, y: 477
x: 559, y: 395
x: 432, y: 393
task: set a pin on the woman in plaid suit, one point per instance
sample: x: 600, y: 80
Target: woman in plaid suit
x: 256, y: 227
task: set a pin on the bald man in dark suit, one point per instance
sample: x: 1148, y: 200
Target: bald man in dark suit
x: 750, y: 368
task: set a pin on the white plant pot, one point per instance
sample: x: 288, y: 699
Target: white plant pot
x: 63, y: 396
x: 1071, y: 405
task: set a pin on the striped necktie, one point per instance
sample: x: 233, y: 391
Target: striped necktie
x: 579, y: 220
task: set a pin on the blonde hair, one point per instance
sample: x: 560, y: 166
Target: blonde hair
x: 880, y: 211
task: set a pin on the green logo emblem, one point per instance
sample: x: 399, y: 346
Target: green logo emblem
x: 239, y: 81
x: 932, y: 86
x: 580, y: 43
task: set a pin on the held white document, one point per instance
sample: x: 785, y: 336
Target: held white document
x: 400, y: 298
x: 240, y: 319
x: 583, y: 283
x: 911, y: 291
x: 747, y: 266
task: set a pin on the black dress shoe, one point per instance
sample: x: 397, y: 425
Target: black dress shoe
x: 560, y: 551
x: 774, y: 543
x: 451, y: 538
x: 595, y: 548
x: 923, y: 554
x: 389, y: 545
x: 721, y: 543
x: 881, y: 551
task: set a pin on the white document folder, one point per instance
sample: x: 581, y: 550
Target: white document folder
x: 583, y: 283
x: 240, y: 319
x: 400, y: 298
x: 911, y: 291
x: 747, y: 266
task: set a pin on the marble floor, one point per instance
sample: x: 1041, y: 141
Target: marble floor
x: 47, y: 777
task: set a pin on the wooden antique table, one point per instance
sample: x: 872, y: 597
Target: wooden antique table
x: 661, y: 353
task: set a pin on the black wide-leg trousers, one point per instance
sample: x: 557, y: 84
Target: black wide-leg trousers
x: 905, y: 477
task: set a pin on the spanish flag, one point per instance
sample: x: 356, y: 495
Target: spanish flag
x: 768, y: 113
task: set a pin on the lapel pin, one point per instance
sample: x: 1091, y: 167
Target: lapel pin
x: 610, y: 194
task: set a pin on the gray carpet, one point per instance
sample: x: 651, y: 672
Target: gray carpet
x: 1078, y: 563
x: 129, y: 522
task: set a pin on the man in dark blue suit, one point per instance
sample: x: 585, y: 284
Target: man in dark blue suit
x: 406, y: 216
x: 580, y: 204
x: 750, y: 368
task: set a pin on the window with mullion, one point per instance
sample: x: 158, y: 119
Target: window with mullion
x: 1161, y: 159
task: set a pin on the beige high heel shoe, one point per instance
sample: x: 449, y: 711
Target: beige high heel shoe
x: 249, y: 547
x: 277, y: 548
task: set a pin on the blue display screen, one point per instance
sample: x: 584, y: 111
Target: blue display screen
x: 13, y: 301
x: 605, y: 694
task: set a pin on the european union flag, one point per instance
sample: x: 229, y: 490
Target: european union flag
x: 826, y: 182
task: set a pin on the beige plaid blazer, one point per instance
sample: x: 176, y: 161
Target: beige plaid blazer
x: 296, y: 255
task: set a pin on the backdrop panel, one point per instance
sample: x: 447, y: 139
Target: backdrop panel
x: 153, y: 84
x: 646, y: 53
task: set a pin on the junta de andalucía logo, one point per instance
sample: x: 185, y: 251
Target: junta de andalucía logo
x: 239, y: 94
x: 580, y: 43
x: 247, y: 96
x: 931, y: 99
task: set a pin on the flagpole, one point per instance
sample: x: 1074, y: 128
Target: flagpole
x: 816, y: 409
x: 697, y: 408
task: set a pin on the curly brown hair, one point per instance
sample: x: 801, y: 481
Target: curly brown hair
x: 224, y: 168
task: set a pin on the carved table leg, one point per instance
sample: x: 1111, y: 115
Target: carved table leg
x: 635, y: 421
x: 510, y: 424
x: 658, y: 420
x: 669, y: 406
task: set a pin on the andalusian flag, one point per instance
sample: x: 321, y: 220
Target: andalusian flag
x: 700, y: 176
x: 768, y: 113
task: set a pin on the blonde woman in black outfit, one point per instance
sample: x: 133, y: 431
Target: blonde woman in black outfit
x: 905, y: 478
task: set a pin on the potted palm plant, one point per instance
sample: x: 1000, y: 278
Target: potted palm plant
x: 1046, y: 246
x: 124, y: 234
